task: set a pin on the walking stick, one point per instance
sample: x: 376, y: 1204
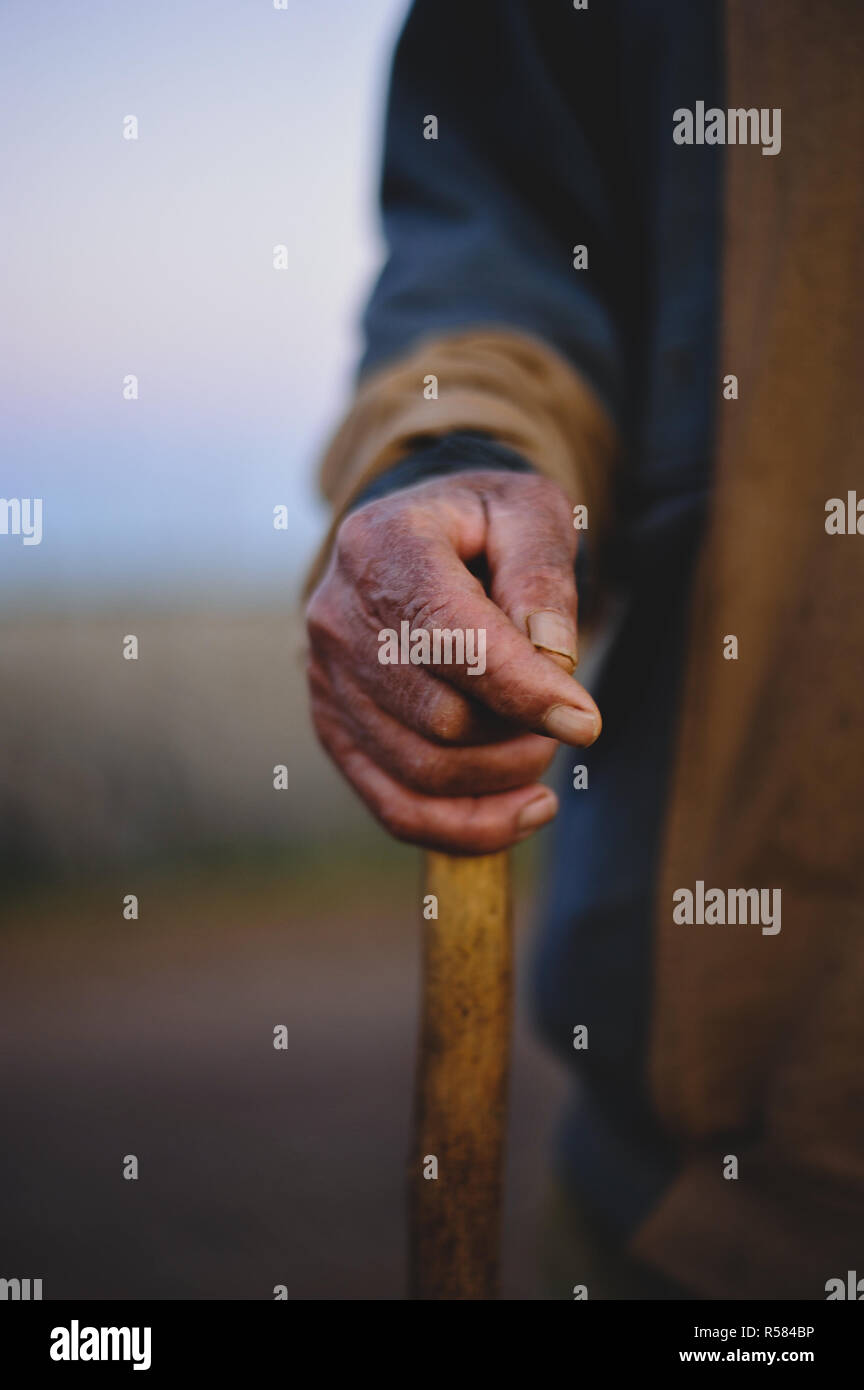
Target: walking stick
x: 456, y: 1168
x: 461, y: 1091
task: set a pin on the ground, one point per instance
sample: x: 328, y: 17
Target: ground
x: 154, y: 1037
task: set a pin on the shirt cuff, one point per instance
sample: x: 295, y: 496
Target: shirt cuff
x: 440, y: 456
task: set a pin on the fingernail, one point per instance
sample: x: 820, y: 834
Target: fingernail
x: 538, y: 811
x: 572, y: 725
x: 553, y: 633
x: 564, y: 662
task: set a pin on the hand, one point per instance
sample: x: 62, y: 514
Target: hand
x: 444, y: 757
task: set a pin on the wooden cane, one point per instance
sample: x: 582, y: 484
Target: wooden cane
x: 457, y: 1164
x: 456, y: 1169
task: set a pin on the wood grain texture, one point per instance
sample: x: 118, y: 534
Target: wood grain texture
x: 461, y: 1091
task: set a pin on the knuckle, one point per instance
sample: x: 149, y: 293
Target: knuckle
x: 358, y: 551
x: 321, y: 619
x: 407, y: 512
x: 352, y: 536
x: 380, y: 547
x: 545, y: 585
x: 429, y: 613
x: 554, y: 573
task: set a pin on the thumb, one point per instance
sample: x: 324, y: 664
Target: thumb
x: 531, y: 551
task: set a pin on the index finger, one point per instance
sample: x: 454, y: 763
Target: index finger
x: 469, y: 642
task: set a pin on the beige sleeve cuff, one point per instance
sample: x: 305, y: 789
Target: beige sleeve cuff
x: 507, y: 384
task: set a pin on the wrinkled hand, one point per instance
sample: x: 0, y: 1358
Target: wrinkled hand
x: 445, y: 758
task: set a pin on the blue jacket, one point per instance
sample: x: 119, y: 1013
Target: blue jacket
x: 543, y: 114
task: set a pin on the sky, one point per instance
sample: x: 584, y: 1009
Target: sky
x: 257, y: 127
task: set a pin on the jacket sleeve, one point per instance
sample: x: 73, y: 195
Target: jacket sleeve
x: 479, y: 320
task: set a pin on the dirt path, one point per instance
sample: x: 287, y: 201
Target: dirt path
x: 257, y: 1167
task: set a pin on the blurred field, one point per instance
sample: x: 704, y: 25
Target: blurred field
x: 154, y: 1037
x: 106, y: 760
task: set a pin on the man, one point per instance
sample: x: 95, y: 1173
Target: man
x: 602, y: 320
